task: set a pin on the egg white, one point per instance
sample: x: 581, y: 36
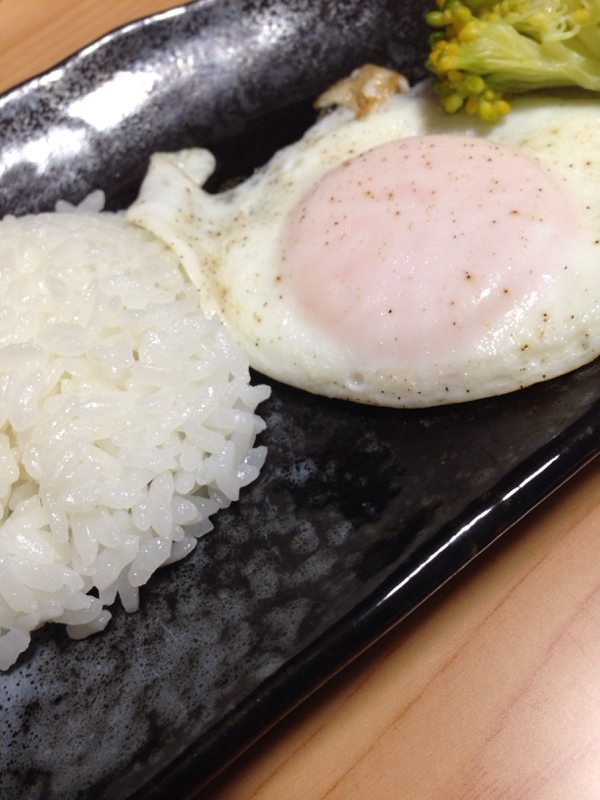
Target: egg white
x: 230, y: 246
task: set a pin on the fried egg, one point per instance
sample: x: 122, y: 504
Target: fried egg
x: 405, y: 257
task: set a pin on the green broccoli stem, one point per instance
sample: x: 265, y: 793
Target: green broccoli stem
x: 513, y: 46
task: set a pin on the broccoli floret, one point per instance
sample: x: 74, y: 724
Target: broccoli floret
x: 482, y: 50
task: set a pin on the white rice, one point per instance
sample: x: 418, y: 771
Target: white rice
x: 126, y: 419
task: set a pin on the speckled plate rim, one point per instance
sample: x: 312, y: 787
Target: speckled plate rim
x: 457, y: 544
x: 105, y: 39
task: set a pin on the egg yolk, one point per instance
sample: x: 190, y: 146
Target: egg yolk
x: 422, y: 246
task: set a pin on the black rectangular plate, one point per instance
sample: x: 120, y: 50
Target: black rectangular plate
x: 360, y: 512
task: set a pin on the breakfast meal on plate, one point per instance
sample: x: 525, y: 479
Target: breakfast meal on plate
x: 396, y: 255
x: 402, y: 257
x: 127, y: 419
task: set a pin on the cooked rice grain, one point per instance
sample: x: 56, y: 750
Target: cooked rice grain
x: 126, y: 419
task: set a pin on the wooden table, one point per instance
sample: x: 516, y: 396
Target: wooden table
x: 492, y: 688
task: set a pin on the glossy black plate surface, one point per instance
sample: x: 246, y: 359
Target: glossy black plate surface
x: 359, y: 514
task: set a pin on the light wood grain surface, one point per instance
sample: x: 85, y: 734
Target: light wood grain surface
x: 491, y: 689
